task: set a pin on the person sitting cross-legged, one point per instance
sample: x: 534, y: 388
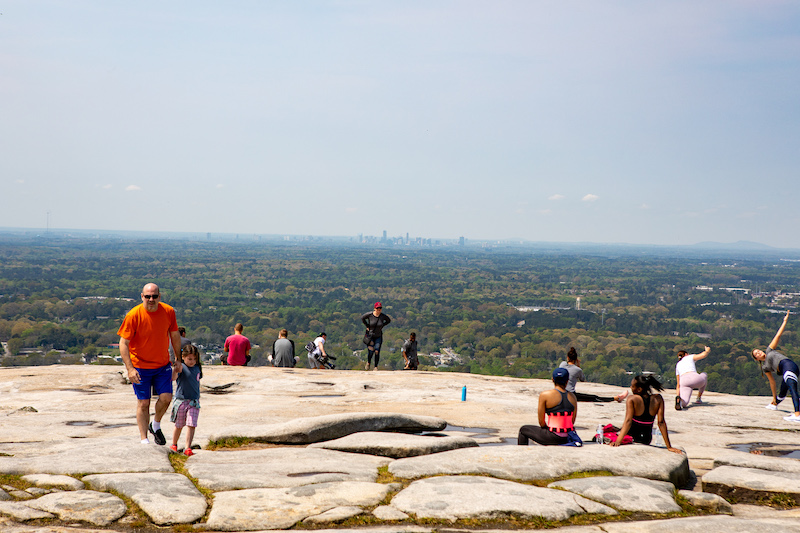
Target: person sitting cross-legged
x: 557, y: 412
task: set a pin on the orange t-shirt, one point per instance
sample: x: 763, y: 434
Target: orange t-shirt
x: 149, y: 335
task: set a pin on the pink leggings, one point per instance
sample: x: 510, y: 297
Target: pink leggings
x: 689, y: 382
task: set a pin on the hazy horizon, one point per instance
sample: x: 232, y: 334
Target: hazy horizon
x: 254, y: 238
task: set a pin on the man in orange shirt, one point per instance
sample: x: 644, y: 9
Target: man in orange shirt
x: 144, y: 339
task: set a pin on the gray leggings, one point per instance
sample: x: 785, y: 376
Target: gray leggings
x: 689, y: 382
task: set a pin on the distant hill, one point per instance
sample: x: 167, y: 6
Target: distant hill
x: 738, y: 245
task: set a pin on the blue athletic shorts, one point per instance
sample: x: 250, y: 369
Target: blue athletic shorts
x: 159, y: 380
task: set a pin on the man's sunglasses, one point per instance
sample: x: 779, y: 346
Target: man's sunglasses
x: 150, y: 296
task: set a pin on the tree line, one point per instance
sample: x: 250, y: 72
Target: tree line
x: 635, y: 311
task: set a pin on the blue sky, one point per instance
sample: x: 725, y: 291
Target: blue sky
x: 575, y: 121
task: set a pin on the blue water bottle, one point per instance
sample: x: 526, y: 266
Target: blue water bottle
x: 464, y: 393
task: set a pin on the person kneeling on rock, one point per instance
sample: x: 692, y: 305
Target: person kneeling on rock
x: 557, y: 411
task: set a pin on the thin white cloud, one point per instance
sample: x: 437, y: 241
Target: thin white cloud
x: 350, y: 209
x: 644, y: 207
x: 590, y: 198
x: 19, y: 181
x: 133, y: 188
x: 220, y: 186
x: 107, y: 186
x: 556, y: 197
x: 545, y: 211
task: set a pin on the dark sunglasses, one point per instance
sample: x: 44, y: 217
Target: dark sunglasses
x: 150, y: 296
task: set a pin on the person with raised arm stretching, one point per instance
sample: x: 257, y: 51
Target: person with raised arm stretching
x: 771, y: 361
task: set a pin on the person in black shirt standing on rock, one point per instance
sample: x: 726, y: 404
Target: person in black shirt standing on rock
x: 373, y: 338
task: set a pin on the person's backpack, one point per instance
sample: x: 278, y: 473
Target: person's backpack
x: 310, y: 347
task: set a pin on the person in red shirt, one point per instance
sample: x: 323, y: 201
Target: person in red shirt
x: 144, y: 339
x: 237, y: 346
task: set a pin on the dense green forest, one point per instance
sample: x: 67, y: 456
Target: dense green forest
x: 503, y: 311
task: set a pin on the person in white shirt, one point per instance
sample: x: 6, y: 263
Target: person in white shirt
x: 318, y: 353
x: 689, y: 379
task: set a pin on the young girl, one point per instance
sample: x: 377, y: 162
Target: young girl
x: 641, y: 410
x: 771, y: 361
x: 186, y: 406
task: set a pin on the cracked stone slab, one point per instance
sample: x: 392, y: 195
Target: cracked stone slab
x: 166, y: 498
x: 98, y: 508
x: 7, y: 525
x: 50, y: 481
x: 566, y: 529
x: 22, y: 512
x: 280, y: 467
x: 387, y: 512
x: 281, y: 508
x: 706, y: 524
x: 747, y: 510
x: 707, y: 501
x: 743, y: 485
x: 624, y: 493
x: 396, y: 445
x: 398, y: 528
x: 337, y: 514
x: 334, y: 426
x: 762, y: 462
x: 78, y: 456
x: 455, y: 497
x: 530, y: 463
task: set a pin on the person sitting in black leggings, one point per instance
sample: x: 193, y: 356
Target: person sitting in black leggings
x: 560, y: 409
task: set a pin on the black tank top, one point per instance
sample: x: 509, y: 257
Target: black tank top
x: 642, y: 426
x: 564, y: 406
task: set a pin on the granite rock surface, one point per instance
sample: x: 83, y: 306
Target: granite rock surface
x: 396, y: 445
x: 64, y: 423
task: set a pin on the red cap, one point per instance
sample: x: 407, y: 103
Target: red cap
x: 377, y: 305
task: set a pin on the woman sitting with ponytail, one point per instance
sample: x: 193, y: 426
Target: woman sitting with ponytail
x: 642, y: 408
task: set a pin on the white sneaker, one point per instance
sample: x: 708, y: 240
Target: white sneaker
x: 792, y: 418
x: 771, y: 407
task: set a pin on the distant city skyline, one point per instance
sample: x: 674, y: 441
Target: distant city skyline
x: 749, y: 248
x: 577, y: 122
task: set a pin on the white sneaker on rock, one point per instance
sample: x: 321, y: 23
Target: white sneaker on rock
x: 771, y: 407
x: 792, y: 418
